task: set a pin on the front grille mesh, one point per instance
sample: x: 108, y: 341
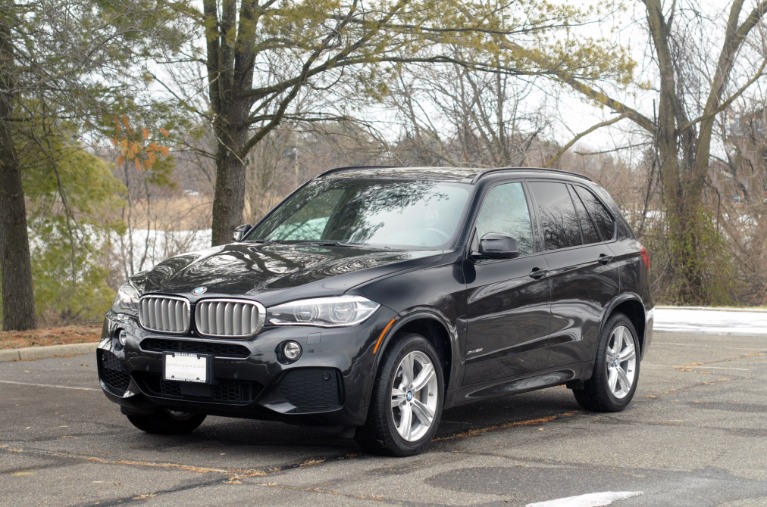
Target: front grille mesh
x: 113, y: 373
x: 164, y: 314
x: 312, y: 389
x: 229, y: 317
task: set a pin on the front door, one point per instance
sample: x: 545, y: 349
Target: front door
x: 507, y: 299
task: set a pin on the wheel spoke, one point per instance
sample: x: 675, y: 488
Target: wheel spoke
x: 407, y: 370
x: 422, y: 412
x: 612, y: 378
x: 624, y: 380
x: 424, y: 376
x: 405, y: 421
x: 628, y: 353
x: 397, y: 398
x: 618, y: 340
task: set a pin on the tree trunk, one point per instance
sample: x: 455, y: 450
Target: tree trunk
x: 18, y: 300
x: 229, y: 198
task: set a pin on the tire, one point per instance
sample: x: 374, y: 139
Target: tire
x: 616, y: 368
x: 167, y: 422
x: 403, y: 417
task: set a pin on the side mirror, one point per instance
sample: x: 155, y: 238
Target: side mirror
x: 241, y: 231
x: 498, y: 246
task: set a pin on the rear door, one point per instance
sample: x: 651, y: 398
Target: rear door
x: 581, y: 270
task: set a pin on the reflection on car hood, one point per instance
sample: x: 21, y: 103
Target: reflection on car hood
x: 253, y: 269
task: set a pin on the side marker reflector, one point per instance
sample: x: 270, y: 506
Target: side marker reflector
x: 383, y: 333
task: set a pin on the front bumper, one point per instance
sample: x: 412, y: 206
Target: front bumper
x: 329, y: 384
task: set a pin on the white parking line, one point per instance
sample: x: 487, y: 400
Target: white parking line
x: 49, y: 385
x: 700, y: 367
x: 698, y: 345
x: 590, y: 500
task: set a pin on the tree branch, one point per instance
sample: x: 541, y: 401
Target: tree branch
x: 580, y: 136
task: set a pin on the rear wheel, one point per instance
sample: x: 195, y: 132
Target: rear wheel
x: 167, y: 422
x: 406, y: 405
x: 616, y: 370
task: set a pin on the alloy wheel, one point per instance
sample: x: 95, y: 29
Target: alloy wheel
x: 621, y: 361
x: 414, y: 396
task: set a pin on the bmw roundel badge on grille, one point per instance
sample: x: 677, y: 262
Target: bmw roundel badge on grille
x: 199, y: 291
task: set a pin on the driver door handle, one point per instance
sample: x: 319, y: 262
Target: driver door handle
x: 538, y: 273
x: 605, y: 259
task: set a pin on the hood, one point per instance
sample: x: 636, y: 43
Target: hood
x: 267, y: 271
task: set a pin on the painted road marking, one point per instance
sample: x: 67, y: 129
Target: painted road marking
x: 590, y: 500
x: 49, y: 385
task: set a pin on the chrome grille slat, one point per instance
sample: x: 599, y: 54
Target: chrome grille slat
x: 229, y: 317
x: 245, y: 318
x: 164, y: 314
x: 220, y: 320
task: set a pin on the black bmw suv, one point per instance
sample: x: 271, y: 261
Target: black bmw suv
x: 374, y: 298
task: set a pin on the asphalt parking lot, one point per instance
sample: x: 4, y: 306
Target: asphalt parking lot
x: 695, y: 435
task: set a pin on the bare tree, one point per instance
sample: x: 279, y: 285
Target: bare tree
x: 690, y: 96
x: 261, y: 55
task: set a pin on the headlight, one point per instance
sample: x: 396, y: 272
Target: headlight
x: 126, y: 300
x: 327, y: 312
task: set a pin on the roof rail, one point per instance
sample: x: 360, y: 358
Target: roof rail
x: 353, y: 167
x: 480, y: 172
x: 501, y: 169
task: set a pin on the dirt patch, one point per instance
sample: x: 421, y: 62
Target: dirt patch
x: 49, y: 336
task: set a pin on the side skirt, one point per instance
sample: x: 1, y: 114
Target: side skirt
x: 501, y: 387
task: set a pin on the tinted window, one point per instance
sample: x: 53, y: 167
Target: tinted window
x: 504, y: 211
x: 397, y: 213
x: 308, y: 223
x: 556, y: 215
x: 589, y: 230
x: 602, y: 217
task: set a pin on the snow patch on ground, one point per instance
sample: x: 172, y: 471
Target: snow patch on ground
x: 711, y: 321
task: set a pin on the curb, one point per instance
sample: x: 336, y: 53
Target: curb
x: 713, y: 309
x: 34, y: 353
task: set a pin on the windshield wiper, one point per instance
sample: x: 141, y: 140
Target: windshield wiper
x: 263, y: 241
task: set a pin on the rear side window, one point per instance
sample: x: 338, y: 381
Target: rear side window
x: 556, y: 215
x: 504, y: 211
x: 589, y: 230
x: 603, y: 219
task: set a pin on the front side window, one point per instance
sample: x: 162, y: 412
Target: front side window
x: 378, y: 212
x: 556, y: 215
x: 504, y: 211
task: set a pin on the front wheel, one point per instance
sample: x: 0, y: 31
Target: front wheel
x: 167, y: 422
x: 616, y: 369
x: 406, y: 405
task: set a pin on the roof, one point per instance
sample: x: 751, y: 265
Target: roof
x: 463, y: 174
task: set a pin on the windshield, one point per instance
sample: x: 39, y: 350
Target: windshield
x: 390, y: 213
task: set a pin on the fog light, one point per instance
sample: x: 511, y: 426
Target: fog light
x: 122, y: 337
x: 292, y: 351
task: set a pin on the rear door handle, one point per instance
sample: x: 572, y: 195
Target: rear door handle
x: 605, y: 259
x: 538, y: 273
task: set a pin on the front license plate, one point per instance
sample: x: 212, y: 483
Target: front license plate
x: 184, y: 367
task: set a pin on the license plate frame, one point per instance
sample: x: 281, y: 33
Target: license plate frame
x: 187, y: 367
